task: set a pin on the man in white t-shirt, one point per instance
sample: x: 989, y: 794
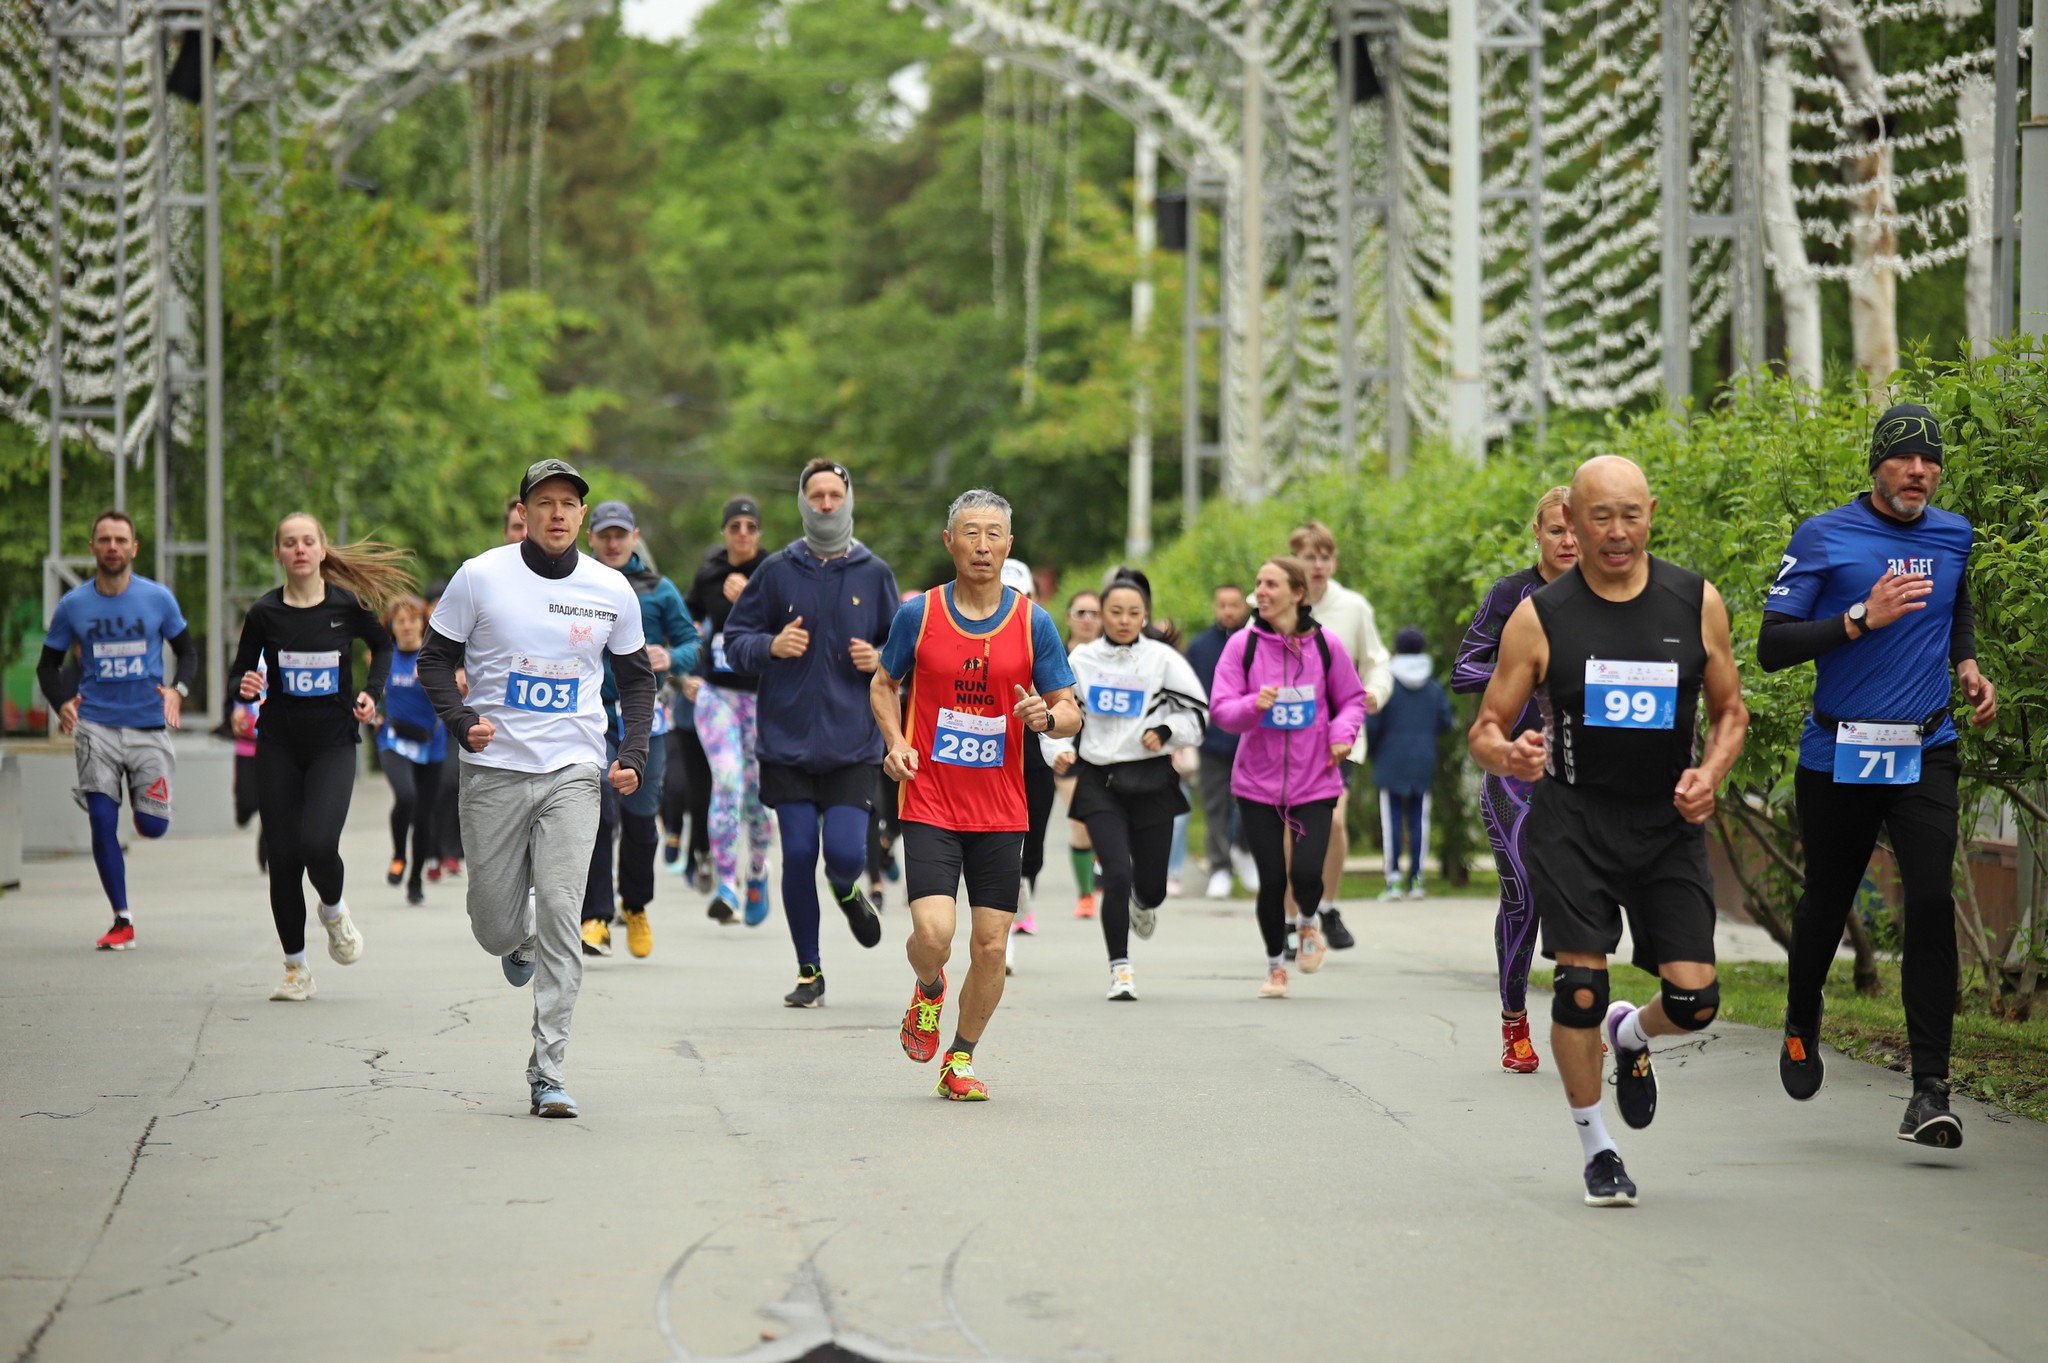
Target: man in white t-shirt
x: 532, y: 622
x: 1348, y: 617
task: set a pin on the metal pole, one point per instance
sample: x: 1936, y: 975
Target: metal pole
x: 1138, y: 534
x: 1745, y: 146
x: 1347, y: 244
x: 2004, y: 240
x: 56, y: 352
x: 119, y: 402
x: 1468, y: 382
x: 2033, y: 239
x: 1393, y: 289
x: 1539, y: 298
x: 216, y: 516
x: 1254, y: 282
x: 1190, y: 364
x: 1676, y: 205
x: 160, y: 349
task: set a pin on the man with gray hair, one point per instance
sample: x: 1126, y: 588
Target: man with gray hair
x: 969, y: 667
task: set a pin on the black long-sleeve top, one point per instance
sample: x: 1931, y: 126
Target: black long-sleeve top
x: 60, y: 683
x: 1787, y: 641
x: 313, y: 707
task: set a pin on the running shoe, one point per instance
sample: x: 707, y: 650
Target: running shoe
x: 1275, y: 986
x: 1928, y: 1120
x: 344, y: 943
x: 518, y: 966
x: 724, y: 905
x: 415, y: 896
x: 1635, y: 1082
x: 1800, y: 1068
x: 1312, y: 952
x: 671, y: 851
x: 433, y: 869
x: 1084, y: 907
x: 639, y: 934
x: 1292, y: 949
x: 550, y: 1100
x: 861, y: 917
x: 1247, y: 869
x: 891, y: 869
x: 1393, y: 890
x: 1144, y: 921
x: 120, y: 937
x: 677, y: 868
x: 1173, y: 887
x: 1517, y: 1054
x: 875, y: 895
x: 395, y: 872
x: 1010, y: 952
x: 1219, y: 885
x: 597, y: 937
x: 957, y: 1081
x: 1415, y: 890
x: 1335, y: 935
x: 1608, y: 1183
x: 920, y: 1031
x: 809, y: 991
x: 1027, y: 923
x: 703, y: 877
x: 297, y: 986
x: 757, y: 901
x: 1123, y: 986
x: 451, y: 866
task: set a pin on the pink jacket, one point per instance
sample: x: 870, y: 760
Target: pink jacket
x: 1286, y: 767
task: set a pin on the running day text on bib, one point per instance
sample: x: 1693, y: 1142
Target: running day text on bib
x: 1631, y: 695
x: 1877, y: 754
x: 310, y: 674
x: 1295, y: 708
x: 120, y: 659
x: 1117, y: 693
x: 545, y: 686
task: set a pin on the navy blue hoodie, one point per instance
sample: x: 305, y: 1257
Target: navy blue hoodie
x: 813, y: 710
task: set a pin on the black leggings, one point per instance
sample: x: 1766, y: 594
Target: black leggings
x: 675, y: 784
x: 415, y: 794
x: 1266, y: 831
x: 448, y: 809
x: 697, y: 796
x: 1133, y: 859
x: 305, y: 800
x: 1038, y: 792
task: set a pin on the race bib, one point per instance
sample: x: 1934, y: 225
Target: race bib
x: 310, y: 674
x: 1121, y: 694
x: 1295, y: 709
x: 656, y: 729
x: 965, y: 740
x: 544, y: 686
x: 718, y: 662
x: 1877, y: 754
x: 1622, y: 695
x: 411, y: 749
x: 121, y: 659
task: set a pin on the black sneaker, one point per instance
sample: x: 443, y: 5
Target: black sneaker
x: 415, y: 896
x: 860, y: 916
x: 1608, y: 1183
x: 1928, y: 1120
x: 1335, y: 935
x: 1800, y: 1068
x: 809, y: 991
x: 718, y: 910
x: 1635, y: 1082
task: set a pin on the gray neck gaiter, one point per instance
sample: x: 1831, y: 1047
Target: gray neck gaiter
x: 828, y: 533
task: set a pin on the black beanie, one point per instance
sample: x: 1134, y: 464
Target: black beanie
x: 1905, y: 428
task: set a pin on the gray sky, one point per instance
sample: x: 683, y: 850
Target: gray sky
x: 662, y: 19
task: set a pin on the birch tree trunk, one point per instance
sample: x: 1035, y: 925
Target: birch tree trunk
x: 1798, y: 290
x: 1975, y: 101
x: 1873, y: 212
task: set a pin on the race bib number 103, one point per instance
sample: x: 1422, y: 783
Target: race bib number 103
x: 544, y: 686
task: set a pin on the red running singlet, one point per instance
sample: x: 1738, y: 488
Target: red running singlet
x: 970, y: 773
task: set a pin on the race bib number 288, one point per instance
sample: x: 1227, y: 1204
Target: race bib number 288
x: 964, y: 740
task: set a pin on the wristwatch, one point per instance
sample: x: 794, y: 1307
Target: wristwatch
x: 184, y: 691
x: 1857, y: 616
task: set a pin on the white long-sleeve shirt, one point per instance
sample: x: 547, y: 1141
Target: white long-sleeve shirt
x: 1349, y: 618
x: 1126, y: 689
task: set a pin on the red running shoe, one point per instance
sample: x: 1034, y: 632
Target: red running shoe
x: 451, y: 866
x: 957, y: 1081
x: 920, y: 1031
x: 121, y: 937
x: 1084, y: 906
x: 434, y: 871
x: 1517, y: 1056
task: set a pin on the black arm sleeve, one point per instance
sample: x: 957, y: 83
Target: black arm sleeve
x: 371, y: 631
x: 1787, y: 641
x: 1962, y: 633
x: 248, y: 653
x: 50, y: 676
x: 187, y: 654
x: 439, y: 657
x: 636, y: 705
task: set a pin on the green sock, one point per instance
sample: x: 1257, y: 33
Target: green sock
x: 1084, y: 868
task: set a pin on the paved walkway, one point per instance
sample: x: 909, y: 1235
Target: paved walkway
x: 192, y: 1172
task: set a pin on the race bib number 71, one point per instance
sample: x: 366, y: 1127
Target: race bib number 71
x: 1877, y: 754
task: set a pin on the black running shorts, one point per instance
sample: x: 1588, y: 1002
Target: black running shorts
x: 855, y: 785
x: 935, y: 860
x: 1594, y: 857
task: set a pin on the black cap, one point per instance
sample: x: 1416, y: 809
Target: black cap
x: 612, y: 516
x: 739, y: 506
x: 1905, y: 428
x: 1409, y: 639
x: 542, y: 470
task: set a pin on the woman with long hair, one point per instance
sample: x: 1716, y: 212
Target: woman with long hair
x: 724, y: 720
x: 304, y: 633
x: 412, y: 744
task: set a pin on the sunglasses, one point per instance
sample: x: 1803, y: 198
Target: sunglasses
x: 743, y: 527
x: 1085, y: 615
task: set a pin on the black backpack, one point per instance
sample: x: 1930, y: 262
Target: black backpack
x: 1251, y: 642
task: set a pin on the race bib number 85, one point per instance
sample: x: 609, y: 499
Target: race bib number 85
x: 965, y: 740
x: 311, y: 674
x: 1622, y: 695
x: 1116, y: 693
x: 544, y: 686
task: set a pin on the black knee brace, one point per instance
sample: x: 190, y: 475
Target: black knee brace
x: 1564, y: 1008
x: 1692, y: 1009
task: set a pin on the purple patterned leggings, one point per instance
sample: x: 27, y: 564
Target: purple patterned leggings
x: 1504, y: 802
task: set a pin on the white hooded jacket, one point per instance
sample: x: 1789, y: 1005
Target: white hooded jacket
x: 1114, y: 675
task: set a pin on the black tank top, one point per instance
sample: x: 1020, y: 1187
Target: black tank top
x: 1628, y: 724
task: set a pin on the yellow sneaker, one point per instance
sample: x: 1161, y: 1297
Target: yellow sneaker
x: 597, y: 937
x: 639, y: 935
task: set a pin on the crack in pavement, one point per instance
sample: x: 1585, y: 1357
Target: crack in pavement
x: 214, y: 1104
x: 1339, y: 1080
x: 462, y: 1019
x: 60, y: 1116
x: 188, y: 1273
x: 28, y: 1350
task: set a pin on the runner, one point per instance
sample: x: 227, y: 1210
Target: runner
x: 1402, y: 737
x: 1294, y: 695
x: 1346, y: 617
x: 1504, y: 800
x: 119, y: 712
x: 1226, y: 846
x: 809, y: 626
x: 983, y: 666
x: 412, y: 744
x: 515, y: 521
x: 447, y: 858
x: 242, y: 729
x: 533, y: 624
x: 1875, y: 593
x: 1084, y: 626
x: 1143, y: 703
x: 725, y: 721
x: 1039, y: 789
x: 1617, y: 654
x: 671, y: 651
x: 304, y: 635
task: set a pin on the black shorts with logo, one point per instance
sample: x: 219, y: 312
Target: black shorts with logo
x: 936, y: 859
x: 855, y: 785
x: 1593, y: 858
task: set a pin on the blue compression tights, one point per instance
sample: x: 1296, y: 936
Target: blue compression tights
x: 846, y: 858
x: 103, y: 812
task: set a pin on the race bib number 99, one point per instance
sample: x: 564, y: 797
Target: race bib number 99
x: 965, y: 740
x: 1623, y: 695
x: 120, y: 659
x: 311, y: 674
x: 1877, y: 754
x: 1294, y: 709
x: 543, y: 686
x: 1118, y: 694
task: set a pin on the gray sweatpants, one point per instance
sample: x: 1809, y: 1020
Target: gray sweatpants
x: 533, y: 829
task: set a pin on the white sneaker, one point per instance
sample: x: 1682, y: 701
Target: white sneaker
x: 344, y: 943
x: 1010, y: 952
x: 1143, y: 920
x: 1415, y: 888
x: 1173, y: 887
x: 297, y: 987
x: 1219, y: 885
x: 1246, y: 868
x: 1123, y: 986
x: 1391, y: 893
x: 1023, y: 913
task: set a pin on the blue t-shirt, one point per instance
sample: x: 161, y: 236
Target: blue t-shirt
x: 406, y: 700
x: 120, y: 649
x: 1897, y: 674
x: 1050, y: 670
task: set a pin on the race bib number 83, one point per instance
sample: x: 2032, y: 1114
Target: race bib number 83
x: 964, y: 740
x: 544, y: 686
x: 1624, y: 695
x: 1294, y: 708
